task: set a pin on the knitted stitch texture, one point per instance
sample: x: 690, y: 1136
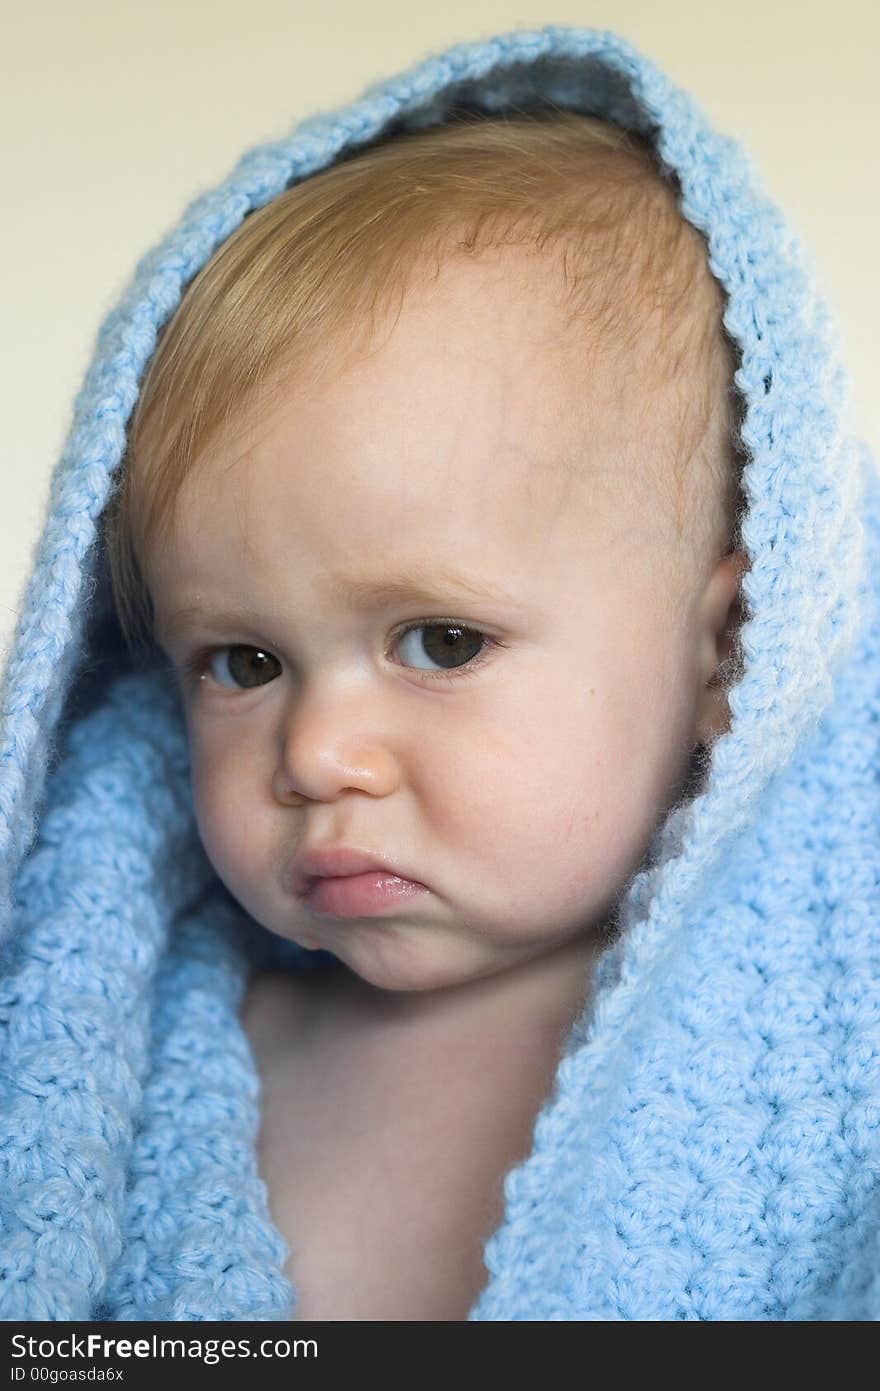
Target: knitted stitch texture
x: 711, y: 1145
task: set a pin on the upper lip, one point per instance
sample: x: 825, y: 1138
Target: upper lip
x: 336, y: 861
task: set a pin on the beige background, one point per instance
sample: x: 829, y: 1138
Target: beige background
x: 116, y: 114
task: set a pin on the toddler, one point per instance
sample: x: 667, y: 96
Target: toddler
x: 447, y: 609
x: 426, y: 553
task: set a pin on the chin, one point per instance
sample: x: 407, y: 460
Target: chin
x: 406, y: 966
x: 400, y: 979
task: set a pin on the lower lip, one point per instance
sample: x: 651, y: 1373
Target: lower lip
x: 361, y: 895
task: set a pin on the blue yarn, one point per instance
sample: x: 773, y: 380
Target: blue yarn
x: 711, y: 1144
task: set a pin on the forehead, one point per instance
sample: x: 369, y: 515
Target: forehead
x: 466, y: 435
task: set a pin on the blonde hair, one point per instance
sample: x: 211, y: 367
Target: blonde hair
x: 320, y: 261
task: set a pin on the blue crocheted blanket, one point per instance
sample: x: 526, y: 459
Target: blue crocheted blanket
x: 711, y: 1145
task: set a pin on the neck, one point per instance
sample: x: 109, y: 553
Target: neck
x: 544, y: 993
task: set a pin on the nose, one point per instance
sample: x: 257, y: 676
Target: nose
x: 332, y: 743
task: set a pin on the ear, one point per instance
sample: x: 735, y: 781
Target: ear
x: 721, y: 619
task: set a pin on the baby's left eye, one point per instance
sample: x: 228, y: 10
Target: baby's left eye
x: 451, y: 644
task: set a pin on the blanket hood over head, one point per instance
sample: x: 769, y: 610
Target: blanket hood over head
x: 710, y: 1147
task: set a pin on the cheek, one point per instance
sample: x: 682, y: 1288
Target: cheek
x: 555, y: 804
x: 221, y: 788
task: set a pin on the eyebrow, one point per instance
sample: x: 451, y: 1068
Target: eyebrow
x: 359, y: 594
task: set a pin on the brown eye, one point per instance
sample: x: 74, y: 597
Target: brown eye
x: 449, y: 645
x: 248, y: 666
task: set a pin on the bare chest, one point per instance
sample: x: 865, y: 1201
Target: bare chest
x: 384, y: 1155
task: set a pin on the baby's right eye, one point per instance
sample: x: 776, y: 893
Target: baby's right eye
x: 249, y: 666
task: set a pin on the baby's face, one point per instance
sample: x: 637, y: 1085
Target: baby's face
x: 516, y: 767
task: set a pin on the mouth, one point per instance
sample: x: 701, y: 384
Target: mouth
x: 343, y: 882
x: 373, y: 894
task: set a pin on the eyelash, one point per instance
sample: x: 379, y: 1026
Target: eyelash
x: 192, y: 668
